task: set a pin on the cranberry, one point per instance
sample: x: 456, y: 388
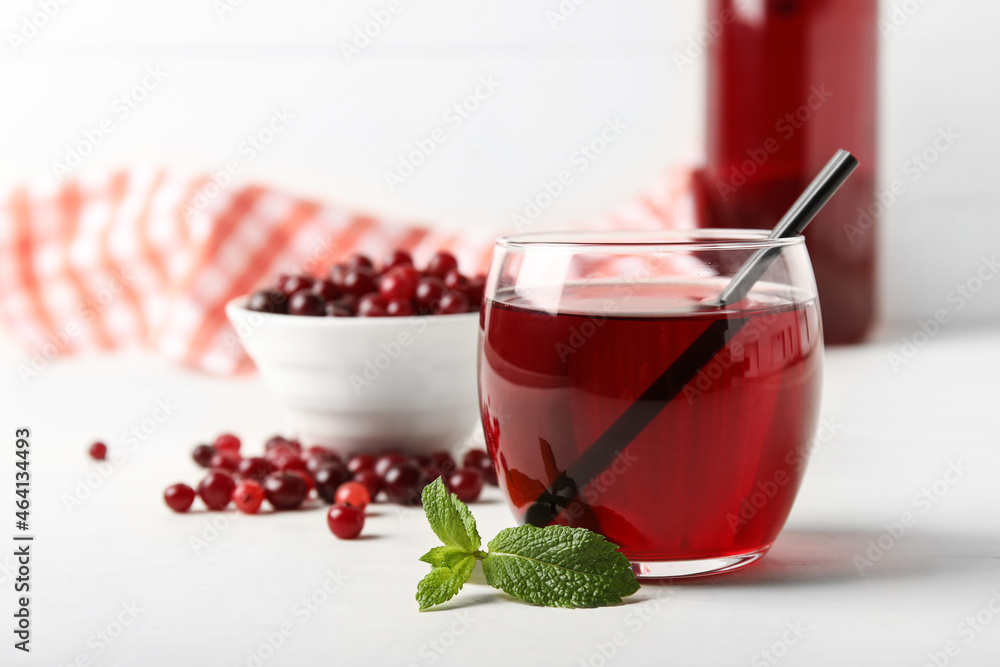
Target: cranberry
x: 403, y: 483
x: 337, y: 273
x: 306, y: 303
x: 399, y: 283
x: 429, y: 291
x: 203, y: 454
x: 328, y: 479
x: 248, y: 496
x: 370, y: 480
x: 357, y: 259
x: 98, y: 451
x: 225, y: 461
x: 478, y: 459
x: 360, y: 462
x: 227, y: 442
x: 216, y: 489
x: 431, y: 473
x: 443, y: 462
x: 354, y: 494
x: 386, y: 461
x: 279, y: 280
x: 331, y: 309
x: 345, y: 521
x: 295, y: 284
x: 306, y: 477
x: 371, y: 305
x: 452, y: 303
x: 285, y: 491
x: 466, y: 483
x: 317, y: 459
x: 326, y: 290
x: 255, y: 468
x: 347, y: 302
x: 268, y: 301
x: 277, y: 441
x: 288, y: 463
x: 400, y: 308
x: 397, y: 257
x: 179, y: 497
x: 454, y: 280
x: 358, y: 281
x: 280, y: 453
x: 473, y: 291
x: 441, y: 263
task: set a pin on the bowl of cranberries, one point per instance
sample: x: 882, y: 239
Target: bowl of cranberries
x: 370, y: 355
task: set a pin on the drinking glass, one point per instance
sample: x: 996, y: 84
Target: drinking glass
x: 617, y: 394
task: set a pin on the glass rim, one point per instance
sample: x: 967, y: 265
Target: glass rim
x: 632, y: 240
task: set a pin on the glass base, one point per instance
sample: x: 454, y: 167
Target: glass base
x: 678, y: 569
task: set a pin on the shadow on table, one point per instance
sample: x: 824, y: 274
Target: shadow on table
x: 801, y: 557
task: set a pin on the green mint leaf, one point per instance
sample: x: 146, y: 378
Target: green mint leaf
x: 444, y: 556
x: 443, y: 583
x: 558, y: 566
x: 450, y: 519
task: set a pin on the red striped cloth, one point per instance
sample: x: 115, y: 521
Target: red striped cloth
x: 150, y: 257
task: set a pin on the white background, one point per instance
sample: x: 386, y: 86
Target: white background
x: 227, y: 70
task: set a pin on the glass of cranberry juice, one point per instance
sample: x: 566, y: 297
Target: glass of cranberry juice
x: 617, y: 396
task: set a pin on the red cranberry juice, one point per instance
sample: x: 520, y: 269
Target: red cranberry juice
x: 716, y: 471
x: 790, y: 82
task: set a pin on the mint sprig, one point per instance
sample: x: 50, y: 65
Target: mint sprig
x: 555, y: 566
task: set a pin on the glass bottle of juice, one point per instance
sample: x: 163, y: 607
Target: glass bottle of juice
x: 789, y: 82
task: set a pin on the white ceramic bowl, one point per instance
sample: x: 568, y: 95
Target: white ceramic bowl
x: 366, y: 384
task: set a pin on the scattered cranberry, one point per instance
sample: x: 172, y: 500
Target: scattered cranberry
x: 467, y: 484
x: 370, y: 480
x: 295, y: 284
x: 337, y: 273
x: 399, y: 283
x: 441, y: 263
x: 403, y: 483
x: 386, y: 461
x: 255, y: 468
x: 443, y: 462
x: 354, y: 494
x: 277, y: 441
x: 306, y: 477
x: 326, y: 290
x: 248, y: 497
x: 203, y: 454
x: 454, y: 280
x: 400, y: 308
x: 179, y: 497
x: 216, y: 489
x: 360, y: 462
x: 328, y: 479
x: 358, y: 281
x: 307, y: 303
x: 473, y: 291
x: 268, y: 301
x: 98, y: 451
x: 397, y: 257
x: 227, y: 442
x: 429, y: 291
x: 225, y: 461
x: 431, y: 473
x: 478, y: 459
x: 371, y: 305
x: 317, y: 459
x: 285, y: 491
x: 451, y: 303
x: 289, y: 463
x: 357, y: 259
x: 345, y: 521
